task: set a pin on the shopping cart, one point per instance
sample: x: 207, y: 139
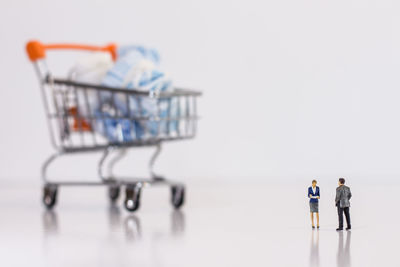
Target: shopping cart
x: 74, y: 124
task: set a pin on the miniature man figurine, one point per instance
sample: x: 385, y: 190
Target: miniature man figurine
x: 342, y: 202
x: 314, y: 195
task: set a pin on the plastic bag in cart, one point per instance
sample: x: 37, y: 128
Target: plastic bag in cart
x: 136, y: 68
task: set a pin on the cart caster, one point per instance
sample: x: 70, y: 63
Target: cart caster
x: 113, y: 192
x: 49, y: 196
x: 177, y: 196
x: 132, y: 198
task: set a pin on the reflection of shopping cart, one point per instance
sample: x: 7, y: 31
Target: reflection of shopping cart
x: 76, y: 125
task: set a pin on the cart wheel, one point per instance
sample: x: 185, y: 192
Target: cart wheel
x: 177, y: 196
x: 49, y: 196
x: 113, y: 192
x: 132, y: 198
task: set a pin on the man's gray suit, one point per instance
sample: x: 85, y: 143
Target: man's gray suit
x: 342, y: 200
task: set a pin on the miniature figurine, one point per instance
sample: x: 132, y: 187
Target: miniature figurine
x: 314, y: 195
x: 342, y: 202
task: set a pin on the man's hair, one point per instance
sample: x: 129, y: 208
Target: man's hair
x: 314, y: 181
x: 342, y: 180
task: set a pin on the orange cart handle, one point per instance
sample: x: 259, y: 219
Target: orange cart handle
x: 36, y: 50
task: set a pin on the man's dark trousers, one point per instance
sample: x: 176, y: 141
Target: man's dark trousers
x: 346, y: 211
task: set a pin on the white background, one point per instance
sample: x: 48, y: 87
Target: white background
x: 291, y: 88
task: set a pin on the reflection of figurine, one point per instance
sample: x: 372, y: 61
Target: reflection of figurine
x: 314, y: 195
x: 342, y: 202
x: 314, y: 251
x: 343, y: 253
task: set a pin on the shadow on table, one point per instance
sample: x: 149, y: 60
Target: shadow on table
x: 50, y: 222
x: 130, y: 224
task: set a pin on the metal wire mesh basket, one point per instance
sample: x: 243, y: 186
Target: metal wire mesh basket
x: 87, y: 117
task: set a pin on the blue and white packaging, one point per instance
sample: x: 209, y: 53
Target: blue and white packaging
x: 137, y: 69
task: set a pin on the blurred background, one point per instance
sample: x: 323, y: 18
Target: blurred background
x: 291, y: 88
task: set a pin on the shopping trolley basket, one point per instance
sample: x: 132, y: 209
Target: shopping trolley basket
x: 86, y: 117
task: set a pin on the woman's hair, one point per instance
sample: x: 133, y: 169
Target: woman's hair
x: 314, y: 181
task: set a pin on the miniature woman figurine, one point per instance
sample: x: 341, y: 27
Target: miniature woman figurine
x: 314, y: 195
